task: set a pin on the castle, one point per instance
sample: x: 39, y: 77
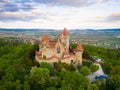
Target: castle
x: 59, y: 50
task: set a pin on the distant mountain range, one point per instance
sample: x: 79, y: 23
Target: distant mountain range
x: 82, y: 31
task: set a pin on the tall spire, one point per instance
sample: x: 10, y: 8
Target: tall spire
x: 65, y: 32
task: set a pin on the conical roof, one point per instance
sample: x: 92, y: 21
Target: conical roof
x: 65, y: 32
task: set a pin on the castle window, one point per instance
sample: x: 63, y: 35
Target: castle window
x: 71, y: 61
x: 60, y: 40
x: 58, y: 49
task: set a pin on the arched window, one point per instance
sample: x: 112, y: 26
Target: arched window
x: 58, y: 49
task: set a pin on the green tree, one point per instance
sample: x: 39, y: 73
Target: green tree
x: 113, y: 82
x: 73, y: 45
x: 18, y: 85
x: 38, y: 77
x: 49, y: 67
x: 46, y: 65
x: 26, y: 85
x: 93, y: 87
x: 51, y: 88
x: 71, y: 67
x: 44, y: 56
x: 85, y: 70
x: 94, y: 68
x: 115, y: 70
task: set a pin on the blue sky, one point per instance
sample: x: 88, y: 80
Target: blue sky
x: 58, y: 14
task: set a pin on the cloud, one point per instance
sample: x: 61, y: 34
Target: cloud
x: 6, y: 6
x: 26, y: 15
x: 3, y: 1
x: 27, y: 5
x: 113, y: 17
x: 21, y: 10
x: 20, y: 16
x: 74, y: 3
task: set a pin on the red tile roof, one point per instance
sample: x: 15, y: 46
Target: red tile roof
x: 65, y: 32
x: 53, y: 41
x: 79, y: 47
x: 66, y: 54
x: 38, y: 53
x: 40, y: 42
x: 52, y: 45
x: 45, y: 38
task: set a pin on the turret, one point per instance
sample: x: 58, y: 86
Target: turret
x: 79, y: 51
x: 45, y: 40
x: 65, y: 37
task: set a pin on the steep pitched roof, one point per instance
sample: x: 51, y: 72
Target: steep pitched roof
x: 66, y: 54
x: 65, y: 32
x: 45, y: 38
x: 52, y: 45
x: 53, y: 41
x: 79, y: 47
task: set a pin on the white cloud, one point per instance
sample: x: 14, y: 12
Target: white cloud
x: 74, y: 3
x: 57, y: 14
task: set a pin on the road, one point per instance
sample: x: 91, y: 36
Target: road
x: 97, y: 73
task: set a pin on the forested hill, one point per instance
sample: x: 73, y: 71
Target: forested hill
x: 20, y: 71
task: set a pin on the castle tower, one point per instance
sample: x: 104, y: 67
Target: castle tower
x: 79, y: 51
x: 45, y: 45
x: 45, y: 39
x: 59, y: 48
x: 65, y: 38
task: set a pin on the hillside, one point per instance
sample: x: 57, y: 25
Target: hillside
x: 19, y: 70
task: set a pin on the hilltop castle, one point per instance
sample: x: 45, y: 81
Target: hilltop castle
x: 59, y: 50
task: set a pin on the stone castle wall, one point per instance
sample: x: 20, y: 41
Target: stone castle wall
x: 68, y: 60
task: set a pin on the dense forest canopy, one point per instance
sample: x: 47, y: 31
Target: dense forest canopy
x: 20, y: 71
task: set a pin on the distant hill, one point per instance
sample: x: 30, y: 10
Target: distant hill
x: 82, y: 31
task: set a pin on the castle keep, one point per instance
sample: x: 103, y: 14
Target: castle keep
x: 59, y: 50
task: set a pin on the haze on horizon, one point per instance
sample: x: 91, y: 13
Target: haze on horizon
x: 57, y: 14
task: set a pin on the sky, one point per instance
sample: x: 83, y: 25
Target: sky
x: 57, y: 14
